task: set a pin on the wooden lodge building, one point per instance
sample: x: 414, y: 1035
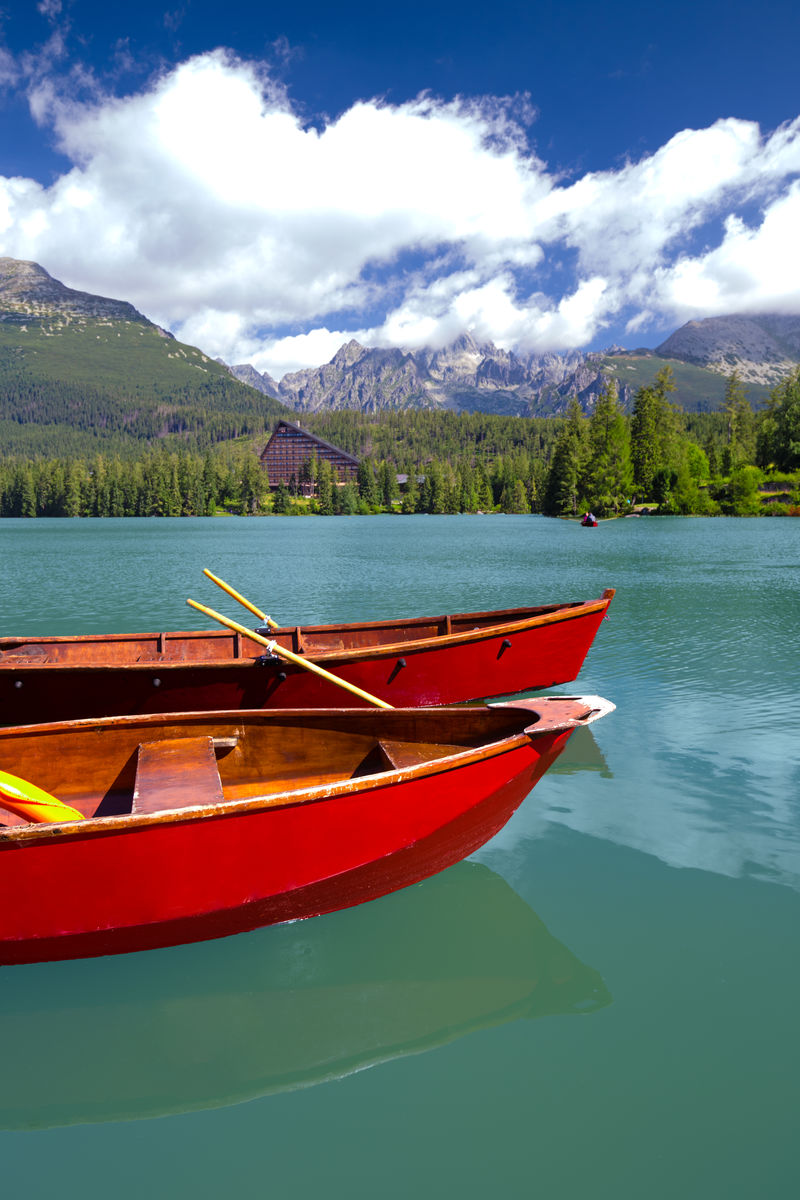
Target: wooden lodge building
x: 290, y: 448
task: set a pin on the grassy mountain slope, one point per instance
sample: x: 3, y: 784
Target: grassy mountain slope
x: 103, y: 353
x: 697, y: 388
x: 74, y: 384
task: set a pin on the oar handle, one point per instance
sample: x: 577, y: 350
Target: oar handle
x: 274, y: 648
x: 226, y: 587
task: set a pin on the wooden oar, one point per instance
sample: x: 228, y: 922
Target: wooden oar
x: 226, y: 587
x: 289, y: 655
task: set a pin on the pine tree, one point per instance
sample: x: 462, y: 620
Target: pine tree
x: 432, y: 492
x: 564, y: 492
x: 644, y: 442
x: 210, y: 484
x: 411, y: 496
x: 779, y: 431
x: 281, y: 501
x: 561, y: 491
x: 609, y: 472
x: 387, y: 484
x: 741, y: 424
x: 325, y: 488
x: 73, y: 486
x: 26, y: 492
x: 484, y: 497
x: 515, y: 498
x: 308, y: 475
x: 656, y: 439
x: 253, y: 487
x: 367, y: 483
x: 537, y: 482
x: 467, y: 493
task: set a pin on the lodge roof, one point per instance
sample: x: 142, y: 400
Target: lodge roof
x: 311, y: 437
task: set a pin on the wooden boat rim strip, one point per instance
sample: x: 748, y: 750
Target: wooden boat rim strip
x: 386, y: 650
x: 454, y: 639
x: 537, y: 612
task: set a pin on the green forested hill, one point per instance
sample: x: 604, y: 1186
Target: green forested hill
x: 102, y: 353
x: 409, y: 438
x: 74, y: 384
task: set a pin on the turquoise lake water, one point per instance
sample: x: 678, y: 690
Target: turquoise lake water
x: 601, y: 1002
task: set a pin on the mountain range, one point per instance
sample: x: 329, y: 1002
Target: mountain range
x: 66, y: 353
x: 469, y: 376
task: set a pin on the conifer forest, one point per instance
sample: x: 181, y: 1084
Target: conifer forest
x: 656, y: 458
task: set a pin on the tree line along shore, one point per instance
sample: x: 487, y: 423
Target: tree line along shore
x: 658, y: 458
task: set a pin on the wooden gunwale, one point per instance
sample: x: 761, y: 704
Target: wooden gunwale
x: 544, y: 610
x: 389, y: 649
x: 132, y: 822
x: 518, y: 624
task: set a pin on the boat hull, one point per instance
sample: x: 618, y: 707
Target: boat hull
x: 425, y: 662
x: 136, y: 881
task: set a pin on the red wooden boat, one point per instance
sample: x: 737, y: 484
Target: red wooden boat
x: 425, y: 660
x: 204, y: 824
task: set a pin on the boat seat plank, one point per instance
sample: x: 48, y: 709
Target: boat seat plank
x: 176, y: 773
x: 398, y: 755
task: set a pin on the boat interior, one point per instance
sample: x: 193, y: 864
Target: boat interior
x: 135, y: 766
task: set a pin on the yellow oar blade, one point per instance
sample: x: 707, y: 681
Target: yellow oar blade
x: 226, y: 587
x: 32, y: 802
x: 274, y: 648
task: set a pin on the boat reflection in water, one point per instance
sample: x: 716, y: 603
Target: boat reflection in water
x: 217, y: 1023
x: 582, y: 753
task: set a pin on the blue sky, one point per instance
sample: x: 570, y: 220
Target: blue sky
x: 268, y: 181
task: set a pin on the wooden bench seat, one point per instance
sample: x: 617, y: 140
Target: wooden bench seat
x: 410, y: 754
x: 176, y: 773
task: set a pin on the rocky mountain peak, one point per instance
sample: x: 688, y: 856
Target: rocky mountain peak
x: 262, y: 381
x: 28, y: 291
x: 348, y: 354
x: 762, y: 347
x: 464, y: 344
x: 464, y: 376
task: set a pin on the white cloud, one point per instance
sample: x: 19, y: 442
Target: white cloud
x: 436, y: 315
x: 752, y: 270
x: 208, y: 203
x: 301, y: 350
